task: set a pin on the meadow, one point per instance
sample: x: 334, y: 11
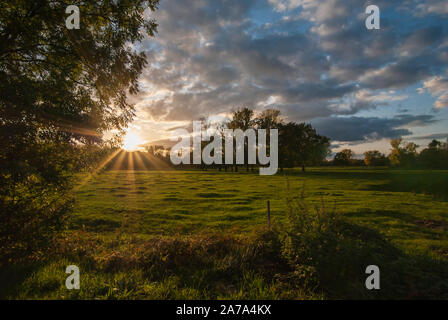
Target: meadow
x: 151, y: 203
x: 203, y: 235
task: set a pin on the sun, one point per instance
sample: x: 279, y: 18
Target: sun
x: 132, y: 142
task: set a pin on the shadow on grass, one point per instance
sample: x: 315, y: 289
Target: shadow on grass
x: 406, y: 223
x: 13, y: 276
x: 339, y: 173
x: 418, y: 181
x: 430, y: 182
x: 270, y: 264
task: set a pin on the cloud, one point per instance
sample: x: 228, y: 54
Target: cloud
x: 438, y: 87
x: 358, y: 129
x: 436, y: 136
x: 437, y: 7
x: 310, y: 59
x: 396, y: 75
x: 383, y: 96
x: 421, y: 40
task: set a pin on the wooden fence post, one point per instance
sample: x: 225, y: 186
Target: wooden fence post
x: 269, y: 215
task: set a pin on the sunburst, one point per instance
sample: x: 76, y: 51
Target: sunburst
x: 132, y: 142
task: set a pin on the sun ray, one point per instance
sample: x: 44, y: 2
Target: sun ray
x: 139, y: 161
x: 131, y: 219
x: 155, y: 162
x: 97, y: 169
x: 119, y: 160
x: 130, y: 160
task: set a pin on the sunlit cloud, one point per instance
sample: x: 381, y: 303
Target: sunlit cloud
x: 310, y: 59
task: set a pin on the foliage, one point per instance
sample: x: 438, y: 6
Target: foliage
x: 299, y: 144
x: 435, y: 156
x: 375, y: 158
x: 242, y: 119
x: 403, y: 155
x: 345, y: 157
x: 329, y: 254
x: 61, y: 89
x: 269, y: 119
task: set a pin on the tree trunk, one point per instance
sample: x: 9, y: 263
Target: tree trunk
x: 303, y: 168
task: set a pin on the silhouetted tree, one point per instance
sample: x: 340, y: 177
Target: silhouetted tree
x: 268, y: 119
x: 299, y: 144
x: 375, y: 158
x: 243, y: 119
x: 343, y: 158
x: 157, y: 150
x: 435, y: 156
x: 60, y: 89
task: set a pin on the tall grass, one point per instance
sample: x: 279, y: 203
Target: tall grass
x: 315, y: 254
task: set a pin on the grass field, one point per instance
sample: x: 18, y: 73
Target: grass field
x: 187, y: 202
x: 202, y: 234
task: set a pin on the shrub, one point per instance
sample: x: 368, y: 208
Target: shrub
x: 328, y: 255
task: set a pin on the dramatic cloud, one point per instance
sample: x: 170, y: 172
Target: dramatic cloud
x: 356, y: 129
x: 311, y: 59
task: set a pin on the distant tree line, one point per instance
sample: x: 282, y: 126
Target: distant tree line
x: 402, y: 155
x: 299, y: 143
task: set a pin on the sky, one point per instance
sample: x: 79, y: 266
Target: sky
x: 314, y: 60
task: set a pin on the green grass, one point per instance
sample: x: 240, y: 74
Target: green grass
x: 208, y: 221
x: 187, y: 202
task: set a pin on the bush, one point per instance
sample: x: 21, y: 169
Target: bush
x: 329, y: 255
x: 36, y: 195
